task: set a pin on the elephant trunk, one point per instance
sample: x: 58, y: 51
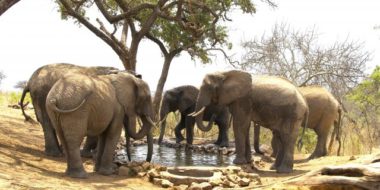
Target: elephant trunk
x: 149, y: 140
x: 162, y: 131
x: 199, y: 120
x: 145, y: 129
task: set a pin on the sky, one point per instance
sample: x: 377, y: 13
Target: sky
x: 32, y: 35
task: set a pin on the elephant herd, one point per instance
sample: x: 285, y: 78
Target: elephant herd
x: 73, y: 102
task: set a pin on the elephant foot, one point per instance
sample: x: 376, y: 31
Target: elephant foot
x: 106, y: 170
x: 179, y: 139
x: 85, y: 153
x: 223, y: 144
x: 273, y: 167
x: 284, y: 169
x: 240, y: 161
x: 53, y: 152
x: 76, y: 173
x: 315, y: 155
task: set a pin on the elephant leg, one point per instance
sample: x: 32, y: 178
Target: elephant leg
x: 222, y: 140
x: 241, y: 123
x: 72, y: 139
x: 100, y: 150
x: 248, y: 151
x: 89, y: 146
x: 288, y: 136
x: 177, y: 131
x: 256, y: 139
x: 52, y: 147
x: 189, y: 123
x: 111, y: 138
x: 278, y: 151
x: 320, y: 149
x: 275, y: 143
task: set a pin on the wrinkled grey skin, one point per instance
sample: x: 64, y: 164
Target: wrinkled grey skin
x: 324, y: 112
x: 79, y: 105
x: 39, y: 86
x: 269, y: 101
x: 183, y: 99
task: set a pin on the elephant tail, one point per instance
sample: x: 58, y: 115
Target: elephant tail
x: 306, y: 120
x: 338, y: 127
x: 53, y: 104
x: 22, y: 106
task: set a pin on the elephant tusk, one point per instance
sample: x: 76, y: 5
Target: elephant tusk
x: 197, y: 113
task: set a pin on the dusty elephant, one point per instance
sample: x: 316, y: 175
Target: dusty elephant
x: 39, y: 86
x: 270, y: 101
x: 324, y: 111
x: 80, y: 105
x: 183, y: 99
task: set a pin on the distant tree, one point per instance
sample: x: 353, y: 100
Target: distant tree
x: 366, y: 97
x: 175, y: 26
x: 6, y: 4
x: 21, y: 84
x: 299, y: 57
x: 2, y: 76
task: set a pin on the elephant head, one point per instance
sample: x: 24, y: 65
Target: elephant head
x: 180, y: 98
x: 134, y: 96
x: 221, y: 89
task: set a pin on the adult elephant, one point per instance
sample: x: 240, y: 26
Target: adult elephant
x: 270, y: 101
x: 324, y: 112
x: 80, y: 105
x: 39, y: 86
x: 183, y: 99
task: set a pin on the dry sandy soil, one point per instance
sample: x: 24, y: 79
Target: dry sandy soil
x: 23, y: 164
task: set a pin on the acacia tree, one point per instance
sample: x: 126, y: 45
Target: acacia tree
x: 366, y: 98
x: 175, y: 26
x: 6, y: 4
x: 298, y: 56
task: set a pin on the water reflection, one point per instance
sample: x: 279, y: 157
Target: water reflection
x: 180, y: 157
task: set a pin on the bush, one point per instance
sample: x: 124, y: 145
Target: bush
x: 11, y: 98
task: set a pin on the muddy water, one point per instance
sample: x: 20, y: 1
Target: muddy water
x: 179, y: 156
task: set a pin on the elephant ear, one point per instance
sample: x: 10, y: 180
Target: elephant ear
x: 143, y: 98
x: 185, y: 101
x: 125, y: 90
x: 235, y: 84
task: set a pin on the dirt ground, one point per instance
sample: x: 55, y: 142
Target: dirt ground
x: 23, y: 164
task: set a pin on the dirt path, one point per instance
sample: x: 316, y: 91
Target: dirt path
x: 23, y: 164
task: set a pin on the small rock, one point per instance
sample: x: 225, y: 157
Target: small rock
x: 125, y: 171
x: 233, y: 178
x: 180, y: 187
x: 224, y: 151
x: 157, y: 181
x: 141, y: 174
x: 352, y: 158
x: 138, y: 169
x: 228, y: 184
x: 215, y: 181
x: 146, y: 166
x: 243, y: 182
x: 153, y: 173
x: 205, y: 186
x: 253, y: 176
x: 166, y: 183
x: 195, y: 186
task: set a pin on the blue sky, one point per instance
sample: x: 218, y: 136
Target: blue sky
x: 32, y: 34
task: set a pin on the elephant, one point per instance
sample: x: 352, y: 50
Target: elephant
x: 79, y: 105
x: 324, y: 111
x: 270, y: 101
x: 183, y: 99
x: 39, y: 86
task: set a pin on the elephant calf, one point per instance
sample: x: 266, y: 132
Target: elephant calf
x: 183, y: 99
x: 324, y: 111
x: 80, y: 105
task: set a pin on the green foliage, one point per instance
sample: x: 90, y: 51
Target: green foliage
x: 11, y: 98
x: 368, y: 92
x: 309, y: 140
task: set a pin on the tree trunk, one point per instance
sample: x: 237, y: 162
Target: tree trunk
x: 161, y: 84
x: 6, y: 4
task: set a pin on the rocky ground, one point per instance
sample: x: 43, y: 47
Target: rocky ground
x: 23, y: 164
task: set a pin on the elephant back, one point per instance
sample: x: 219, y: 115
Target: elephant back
x: 70, y: 91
